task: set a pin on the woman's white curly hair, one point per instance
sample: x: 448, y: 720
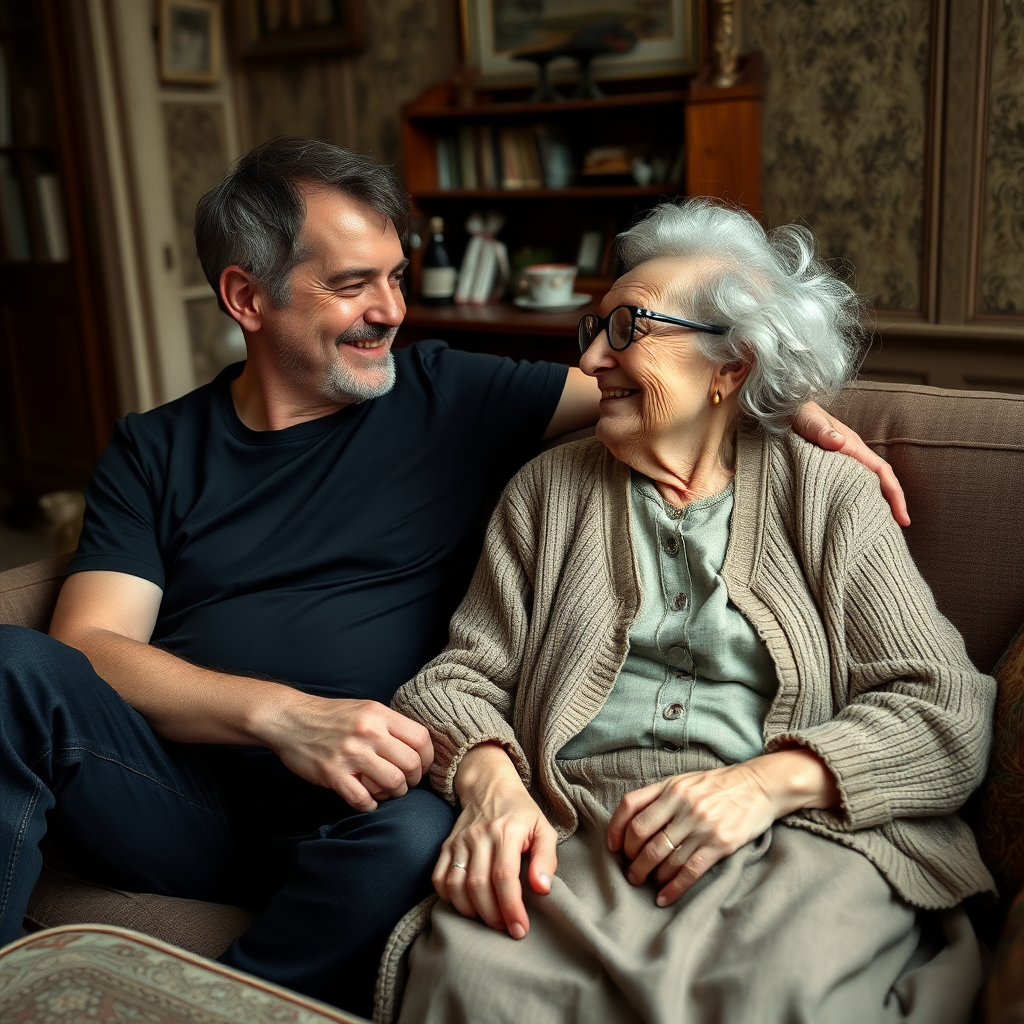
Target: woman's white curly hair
x: 798, y: 327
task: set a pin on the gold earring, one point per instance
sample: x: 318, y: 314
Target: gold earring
x: 716, y: 397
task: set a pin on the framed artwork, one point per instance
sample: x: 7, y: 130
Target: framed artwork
x: 190, y: 41
x: 285, y: 28
x: 668, y: 34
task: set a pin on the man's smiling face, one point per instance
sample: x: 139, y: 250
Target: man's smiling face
x: 333, y: 337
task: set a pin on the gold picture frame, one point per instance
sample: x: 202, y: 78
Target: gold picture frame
x: 190, y: 42
x: 492, y: 30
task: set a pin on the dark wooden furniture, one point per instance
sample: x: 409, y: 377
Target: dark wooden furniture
x: 717, y: 130
x: 57, y: 390
x: 499, y: 328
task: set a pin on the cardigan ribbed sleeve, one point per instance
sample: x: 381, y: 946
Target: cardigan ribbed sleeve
x: 465, y: 696
x: 913, y: 737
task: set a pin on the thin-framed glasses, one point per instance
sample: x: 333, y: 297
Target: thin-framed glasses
x: 621, y: 326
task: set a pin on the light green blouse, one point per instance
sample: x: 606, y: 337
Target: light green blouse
x: 696, y: 671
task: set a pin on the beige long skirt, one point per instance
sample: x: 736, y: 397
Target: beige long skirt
x: 791, y: 928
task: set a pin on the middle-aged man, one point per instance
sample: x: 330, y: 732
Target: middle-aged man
x: 263, y: 562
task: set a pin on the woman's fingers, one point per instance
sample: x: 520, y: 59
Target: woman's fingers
x: 543, y: 859
x: 479, y: 886
x: 657, y: 850
x: 693, y: 867
x: 479, y: 876
x: 624, y: 831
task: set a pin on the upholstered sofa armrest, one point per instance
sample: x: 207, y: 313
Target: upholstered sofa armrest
x: 28, y: 594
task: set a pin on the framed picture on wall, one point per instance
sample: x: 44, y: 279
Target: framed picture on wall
x: 285, y: 28
x: 668, y: 36
x: 190, y: 41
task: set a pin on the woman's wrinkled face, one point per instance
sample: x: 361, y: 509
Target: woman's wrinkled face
x: 658, y: 389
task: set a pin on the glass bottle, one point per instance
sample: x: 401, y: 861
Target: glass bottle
x: 438, y: 274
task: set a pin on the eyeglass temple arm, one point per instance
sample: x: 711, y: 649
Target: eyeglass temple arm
x: 664, y: 318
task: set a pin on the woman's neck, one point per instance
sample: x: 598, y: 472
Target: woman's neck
x: 687, y: 469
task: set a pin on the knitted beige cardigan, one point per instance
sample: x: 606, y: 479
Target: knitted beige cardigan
x: 871, y: 676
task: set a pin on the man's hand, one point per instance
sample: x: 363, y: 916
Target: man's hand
x: 815, y: 425
x: 478, y: 869
x: 362, y: 750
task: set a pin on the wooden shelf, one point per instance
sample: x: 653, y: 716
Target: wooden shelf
x: 500, y: 329
x: 497, y: 318
x: 426, y: 108
x: 571, y: 192
x: 716, y: 130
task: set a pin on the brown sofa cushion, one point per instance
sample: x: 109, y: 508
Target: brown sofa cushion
x: 960, y: 458
x: 208, y: 929
x: 28, y: 594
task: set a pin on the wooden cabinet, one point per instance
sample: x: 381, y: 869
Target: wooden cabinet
x: 57, y: 394
x: 698, y: 139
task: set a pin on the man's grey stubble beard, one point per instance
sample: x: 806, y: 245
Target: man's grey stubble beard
x: 342, y: 386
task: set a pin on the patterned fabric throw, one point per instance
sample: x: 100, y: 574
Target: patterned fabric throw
x: 1000, y: 822
x: 100, y: 973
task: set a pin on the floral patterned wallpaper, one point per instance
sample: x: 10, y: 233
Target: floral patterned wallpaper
x: 410, y: 44
x: 197, y: 150
x: 1002, y: 237
x: 413, y: 43
x: 846, y: 96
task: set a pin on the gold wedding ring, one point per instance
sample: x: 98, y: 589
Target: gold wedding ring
x: 669, y: 841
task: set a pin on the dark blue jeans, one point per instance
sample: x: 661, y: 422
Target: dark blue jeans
x: 213, y: 823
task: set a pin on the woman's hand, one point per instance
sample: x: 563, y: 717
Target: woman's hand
x: 478, y: 869
x: 683, y: 825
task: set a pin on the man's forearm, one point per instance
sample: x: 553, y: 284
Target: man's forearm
x: 182, y: 701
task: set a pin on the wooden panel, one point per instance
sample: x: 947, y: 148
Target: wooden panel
x: 1001, y: 249
x: 723, y: 151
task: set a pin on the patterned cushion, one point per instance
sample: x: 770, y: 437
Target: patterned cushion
x: 1000, y: 821
x: 99, y: 973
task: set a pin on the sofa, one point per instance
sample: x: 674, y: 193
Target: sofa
x: 960, y: 458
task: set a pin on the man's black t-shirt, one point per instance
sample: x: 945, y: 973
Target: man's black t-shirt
x: 330, y: 554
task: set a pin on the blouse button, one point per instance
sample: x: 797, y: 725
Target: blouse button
x: 679, y: 603
x: 671, y: 545
x: 673, y: 711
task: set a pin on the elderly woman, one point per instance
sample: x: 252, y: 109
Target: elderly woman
x: 706, y: 727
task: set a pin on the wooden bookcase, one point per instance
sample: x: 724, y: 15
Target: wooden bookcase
x: 718, y: 131
x: 57, y: 389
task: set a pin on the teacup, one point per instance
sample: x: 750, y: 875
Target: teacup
x: 551, y: 284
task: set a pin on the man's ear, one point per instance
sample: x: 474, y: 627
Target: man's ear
x: 730, y: 376
x: 242, y: 297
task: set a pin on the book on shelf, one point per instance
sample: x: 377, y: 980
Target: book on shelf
x: 510, y: 157
x: 51, y: 212
x: 533, y: 175
x: 555, y: 157
x: 5, y: 102
x: 17, y: 240
x: 468, y: 146
x: 449, y: 173
x: 512, y: 175
x: 490, y: 160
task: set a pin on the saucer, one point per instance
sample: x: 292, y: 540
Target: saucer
x: 576, y: 300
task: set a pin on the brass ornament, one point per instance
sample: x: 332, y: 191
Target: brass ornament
x: 725, y: 42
